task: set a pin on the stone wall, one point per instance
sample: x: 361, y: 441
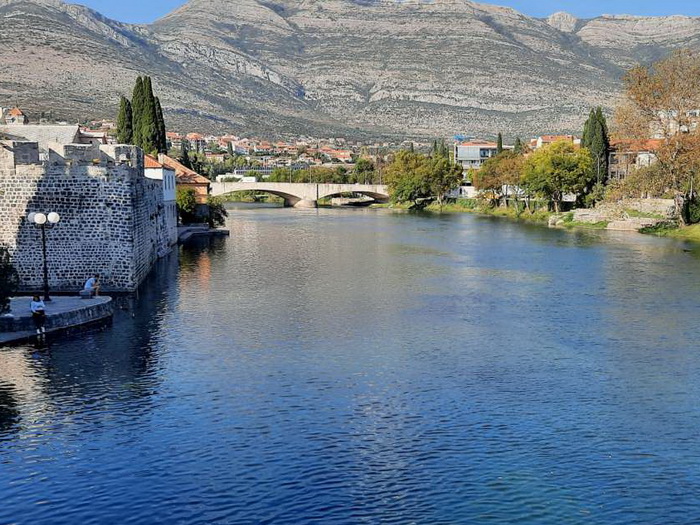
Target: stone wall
x: 624, y: 210
x: 113, y: 219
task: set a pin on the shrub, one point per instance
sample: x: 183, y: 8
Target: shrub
x: 217, y: 212
x: 187, y: 205
x: 9, y: 279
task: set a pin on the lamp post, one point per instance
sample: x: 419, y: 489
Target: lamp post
x: 44, y: 222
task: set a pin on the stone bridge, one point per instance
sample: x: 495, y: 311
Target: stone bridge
x: 302, y: 195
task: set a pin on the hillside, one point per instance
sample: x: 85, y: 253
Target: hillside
x: 372, y: 68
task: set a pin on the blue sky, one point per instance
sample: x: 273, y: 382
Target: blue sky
x: 142, y: 11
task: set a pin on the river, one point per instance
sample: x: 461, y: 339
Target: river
x: 366, y: 366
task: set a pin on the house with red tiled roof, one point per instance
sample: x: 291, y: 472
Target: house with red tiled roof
x: 174, y: 140
x: 471, y: 155
x: 197, y: 141
x: 187, y: 178
x: 156, y: 170
x: 627, y: 156
x: 15, y: 116
x: 551, y: 139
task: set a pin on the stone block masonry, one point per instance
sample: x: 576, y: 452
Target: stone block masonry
x: 113, y: 219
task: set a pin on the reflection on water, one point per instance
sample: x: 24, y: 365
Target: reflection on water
x: 9, y: 412
x: 349, y: 366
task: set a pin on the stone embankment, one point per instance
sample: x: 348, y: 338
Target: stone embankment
x: 626, y: 215
x: 185, y: 233
x: 62, y: 313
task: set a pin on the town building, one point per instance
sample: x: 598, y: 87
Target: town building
x: 187, y: 178
x: 197, y: 142
x: 472, y: 155
x: 13, y: 116
x: 153, y: 169
x: 546, y: 140
x: 627, y: 156
x: 173, y: 140
x: 113, y: 219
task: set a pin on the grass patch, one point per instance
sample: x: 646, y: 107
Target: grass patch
x: 662, y: 229
x: 634, y: 214
x: 686, y: 233
x: 602, y: 225
x: 479, y: 207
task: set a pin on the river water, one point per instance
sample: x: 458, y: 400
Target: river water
x: 365, y: 366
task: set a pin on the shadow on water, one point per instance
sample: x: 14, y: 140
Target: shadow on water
x: 9, y: 410
x: 112, y: 362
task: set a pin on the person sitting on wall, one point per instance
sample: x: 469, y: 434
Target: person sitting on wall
x: 92, y: 285
x: 38, y: 309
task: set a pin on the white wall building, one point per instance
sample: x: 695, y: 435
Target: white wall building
x: 153, y: 169
x: 471, y: 155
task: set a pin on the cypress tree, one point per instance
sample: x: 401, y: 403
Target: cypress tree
x: 137, y: 112
x: 499, y: 145
x: 185, y: 155
x: 162, y: 139
x: 596, y: 140
x: 588, y: 130
x: 518, y: 148
x: 125, y: 130
x: 149, y: 119
x: 229, y: 147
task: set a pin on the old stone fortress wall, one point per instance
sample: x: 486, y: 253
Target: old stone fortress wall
x: 113, y: 219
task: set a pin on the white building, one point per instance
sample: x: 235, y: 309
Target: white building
x: 153, y: 169
x: 473, y: 154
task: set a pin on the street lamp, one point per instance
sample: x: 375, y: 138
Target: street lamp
x: 44, y: 222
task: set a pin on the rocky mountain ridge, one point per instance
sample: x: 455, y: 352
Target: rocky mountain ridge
x: 322, y: 67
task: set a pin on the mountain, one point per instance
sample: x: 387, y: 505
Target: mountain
x: 343, y: 67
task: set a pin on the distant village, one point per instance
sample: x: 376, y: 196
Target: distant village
x: 119, y: 205
x: 259, y: 157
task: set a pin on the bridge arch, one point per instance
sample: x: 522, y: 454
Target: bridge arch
x: 301, y: 195
x: 290, y: 200
x: 379, y: 197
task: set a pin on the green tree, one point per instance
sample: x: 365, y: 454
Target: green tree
x: 125, y: 130
x: 217, y: 212
x: 443, y: 177
x: 364, y: 171
x: 499, y: 174
x: 186, y: 201
x: 499, y: 144
x: 162, y: 138
x: 185, y: 155
x: 596, y: 140
x: 519, y: 147
x: 440, y: 149
x: 558, y: 169
x: 9, y: 279
x: 137, y: 104
x: 417, y: 179
x: 149, y: 120
x: 229, y: 149
x: 407, y: 180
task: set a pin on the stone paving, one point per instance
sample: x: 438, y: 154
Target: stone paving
x: 61, y: 313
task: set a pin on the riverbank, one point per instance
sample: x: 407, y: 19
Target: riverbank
x: 536, y: 216
x: 647, y: 216
x: 685, y: 233
x: 62, y: 314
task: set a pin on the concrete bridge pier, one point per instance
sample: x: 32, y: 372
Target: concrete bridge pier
x: 303, y: 203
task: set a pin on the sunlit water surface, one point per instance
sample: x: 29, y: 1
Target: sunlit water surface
x: 363, y: 366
